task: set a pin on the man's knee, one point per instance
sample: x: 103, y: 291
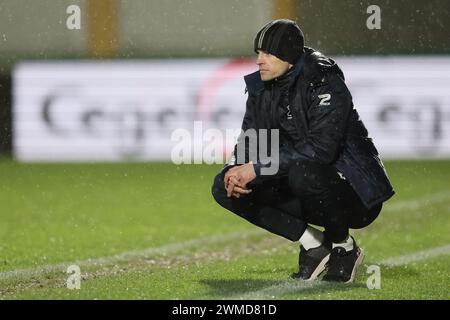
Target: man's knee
x: 218, y: 189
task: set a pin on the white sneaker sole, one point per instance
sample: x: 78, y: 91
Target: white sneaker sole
x: 357, y: 264
x: 320, y: 268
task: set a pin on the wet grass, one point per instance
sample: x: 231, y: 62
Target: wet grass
x: 58, y: 213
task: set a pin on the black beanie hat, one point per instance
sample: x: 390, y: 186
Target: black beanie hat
x: 282, y: 38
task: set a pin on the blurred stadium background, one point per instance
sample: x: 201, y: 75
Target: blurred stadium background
x: 86, y: 123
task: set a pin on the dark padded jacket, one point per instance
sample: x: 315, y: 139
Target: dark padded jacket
x: 329, y: 129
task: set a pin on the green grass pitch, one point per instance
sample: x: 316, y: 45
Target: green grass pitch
x: 153, y: 231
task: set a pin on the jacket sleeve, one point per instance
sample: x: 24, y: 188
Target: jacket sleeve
x: 330, y: 104
x: 247, y: 123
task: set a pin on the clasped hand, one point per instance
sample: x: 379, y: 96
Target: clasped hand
x: 237, y: 178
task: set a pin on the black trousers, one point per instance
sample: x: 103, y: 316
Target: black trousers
x: 311, y: 193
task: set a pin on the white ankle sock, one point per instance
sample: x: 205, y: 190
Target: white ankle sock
x: 311, y: 238
x: 347, y: 244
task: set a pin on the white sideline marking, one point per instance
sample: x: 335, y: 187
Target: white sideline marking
x: 27, y: 273
x: 417, y: 202
x: 416, y: 256
x: 129, y: 255
x: 293, y: 286
x: 283, y: 288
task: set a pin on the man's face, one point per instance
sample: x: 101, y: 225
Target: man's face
x: 270, y: 67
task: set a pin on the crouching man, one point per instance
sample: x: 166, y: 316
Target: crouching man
x: 329, y: 173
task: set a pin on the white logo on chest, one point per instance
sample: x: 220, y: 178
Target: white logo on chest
x: 288, y: 113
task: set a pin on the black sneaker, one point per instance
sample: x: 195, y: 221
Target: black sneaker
x: 343, y: 264
x: 312, y: 262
